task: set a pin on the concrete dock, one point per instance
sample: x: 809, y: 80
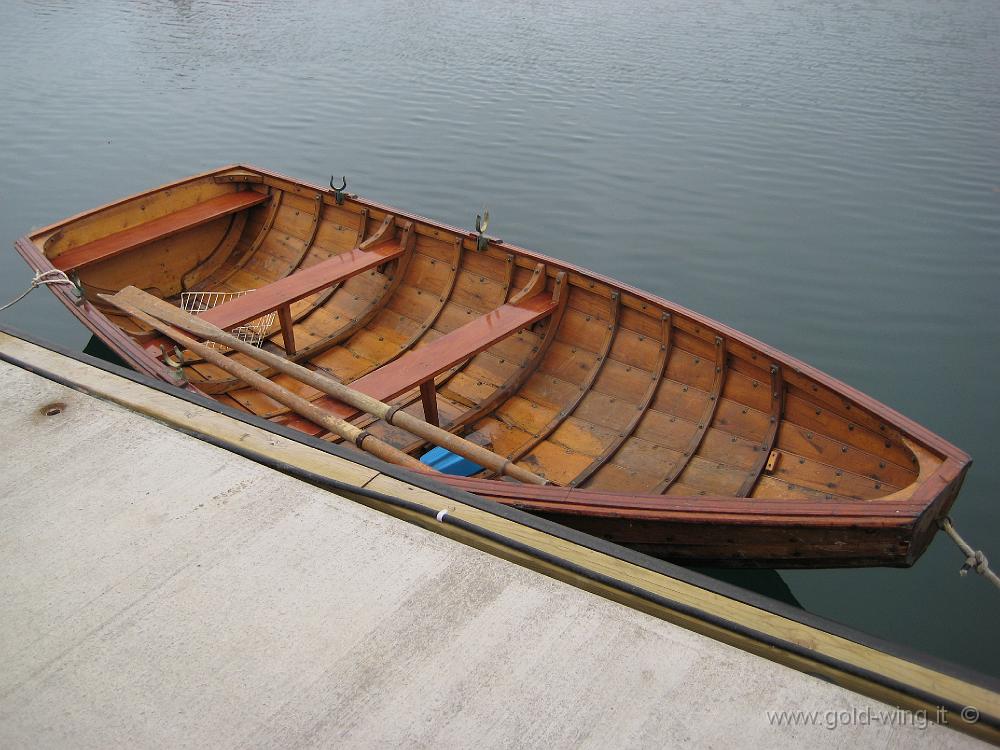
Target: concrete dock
x: 159, y: 591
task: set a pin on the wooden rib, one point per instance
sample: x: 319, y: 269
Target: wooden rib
x: 215, y: 280
x: 442, y: 380
x: 706, y: 419
x: 431, y: 319
x: 290, y: 318
x: 358, y: 322
x: 767, y: 445
x: 362, y: 226
x: 218, y: 256
x: 647, y: 399
x: 508, y: 279
x: 425, y: 363
x: 559, y: 418
x: 406, y: 244
x: 296, y: 286
x: 515, y: 381
x: 388, y: 227
x: 307, y: 246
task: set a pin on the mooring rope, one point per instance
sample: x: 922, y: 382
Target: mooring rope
x: 974, y: 558
x: 52, y: 276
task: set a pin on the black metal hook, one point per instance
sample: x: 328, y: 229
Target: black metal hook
x: 338, y: 192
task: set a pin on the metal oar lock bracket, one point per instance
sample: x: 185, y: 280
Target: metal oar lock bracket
x: 338, y: 192
x: 175, y: 363
x: 482, y: 221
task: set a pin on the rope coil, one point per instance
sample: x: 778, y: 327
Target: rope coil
x: 41, y: 278
x: 975, y: 559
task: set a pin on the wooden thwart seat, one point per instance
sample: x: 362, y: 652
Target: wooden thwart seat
x: 420, y: 366
x: 296, y: 286
x: 157, y: 229
x: 280, y: 295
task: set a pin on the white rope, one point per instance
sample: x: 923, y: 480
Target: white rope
x: 974, y: 558
x: 42, y: 278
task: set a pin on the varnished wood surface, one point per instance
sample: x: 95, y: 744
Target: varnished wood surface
x: 84, y: 255
x: 602, y: 397
x: 420, y: 365
x: 294, y: 287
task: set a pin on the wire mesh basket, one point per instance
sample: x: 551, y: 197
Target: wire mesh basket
x: 253, y: 331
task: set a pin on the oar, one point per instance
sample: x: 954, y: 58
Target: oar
x: 363, y: 439
x: 137, y: 299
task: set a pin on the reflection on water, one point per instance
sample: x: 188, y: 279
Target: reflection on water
x: 824, y: 176
x: 766, y: 582
x: 97, y: 348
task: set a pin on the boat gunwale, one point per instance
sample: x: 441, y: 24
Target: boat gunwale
x: 954, y: 461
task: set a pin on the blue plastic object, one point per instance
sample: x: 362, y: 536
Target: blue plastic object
x: 450, y: 463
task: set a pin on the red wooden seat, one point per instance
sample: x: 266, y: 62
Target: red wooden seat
x: 279, y: 295
x: 166, y: 226
x: 421, y: 365
x: 301, y: 284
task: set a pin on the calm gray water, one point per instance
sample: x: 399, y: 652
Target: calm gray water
x: 824, y: 176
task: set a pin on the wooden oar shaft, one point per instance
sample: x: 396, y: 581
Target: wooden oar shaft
x: 136, y: 298
x: 313, y: 413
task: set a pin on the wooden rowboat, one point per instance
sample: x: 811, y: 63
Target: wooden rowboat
x: 656, y: 427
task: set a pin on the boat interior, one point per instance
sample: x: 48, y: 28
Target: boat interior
x: 586, y: 382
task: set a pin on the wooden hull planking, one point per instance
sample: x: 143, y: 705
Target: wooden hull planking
x: 657, y: 427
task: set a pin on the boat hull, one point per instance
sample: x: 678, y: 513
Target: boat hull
x: 657, y: 427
